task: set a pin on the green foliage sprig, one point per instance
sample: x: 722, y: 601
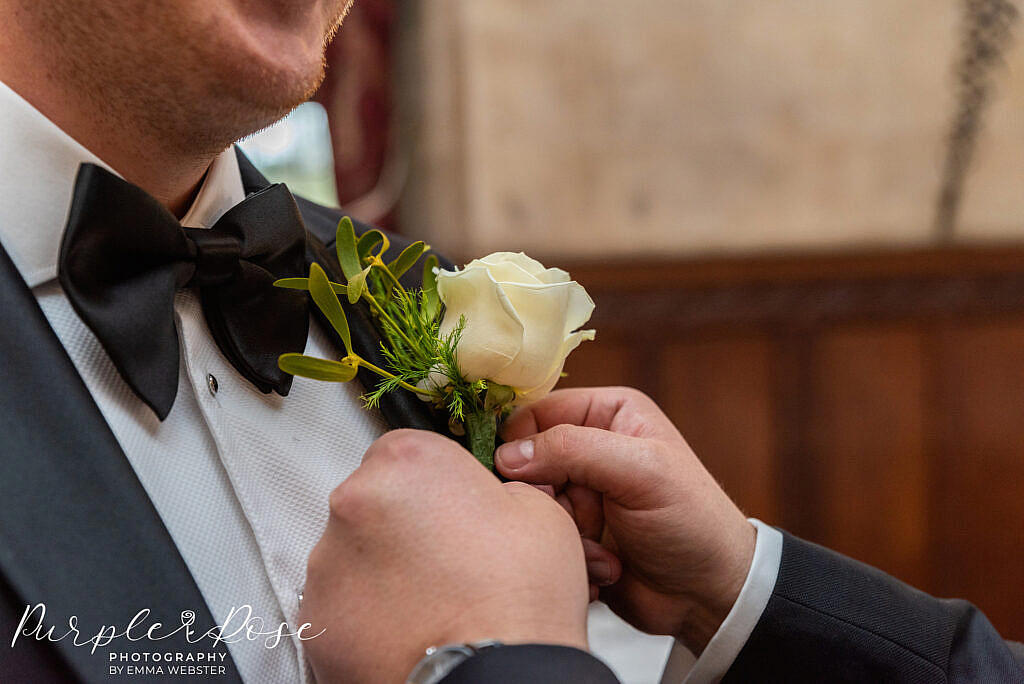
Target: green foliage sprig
x: 418, y: 358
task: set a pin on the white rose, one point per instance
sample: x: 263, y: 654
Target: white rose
x: 520, y: 321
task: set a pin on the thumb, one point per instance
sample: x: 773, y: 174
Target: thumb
x: 621, y: 467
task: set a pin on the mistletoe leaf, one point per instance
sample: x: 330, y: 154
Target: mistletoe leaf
x: 357, y: 285
x: 303, y: 284
x: 369, y: 240
x: 345, y: 242
x: 326, y: 299
x: 316, y: 369
x: 407, y: 258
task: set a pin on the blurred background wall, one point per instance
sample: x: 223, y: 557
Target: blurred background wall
x: 600, y: 128
x: 799, y: 238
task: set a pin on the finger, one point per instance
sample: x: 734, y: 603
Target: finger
x: 565, y: 503
x: 619, y: 409
x: 634, y: 601
x: 404, y: 461
x: 420, y: 453
x: 594, y: 592
x: 529, y: 494
x: 583, y: 505
x: 624, y: 468
x: 603, y: 567
x: 546, y: 489
x: 587, y: 510
x: 520, y: 489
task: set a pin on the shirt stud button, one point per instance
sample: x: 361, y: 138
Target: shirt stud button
x: 211, y: 382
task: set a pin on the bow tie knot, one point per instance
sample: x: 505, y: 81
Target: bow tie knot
x: 215, y: 255
x: 123, y: 256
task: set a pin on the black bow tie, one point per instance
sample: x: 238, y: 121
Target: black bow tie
x: 124, y: 255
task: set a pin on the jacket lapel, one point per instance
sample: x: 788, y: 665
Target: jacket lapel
x: 400, y: 409
x: 77, y: 531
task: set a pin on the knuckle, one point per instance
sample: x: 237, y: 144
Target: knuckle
x: 652, y: 462
x: 352, y: 499
x: 535, y: 502
x: 399, y: 445
x: 557, y: 520
x: 649, y: 456
x: 517, y: 488
x: 414, y: 449
x: 633, y: 395
x: 338, y: 501
x: 559, y: 439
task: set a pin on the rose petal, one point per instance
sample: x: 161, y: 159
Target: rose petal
x: 531, y: 395
x: 555, y: 275
x: 528, y: 264
x: 493, y: 335
x: 506, y: 272
x: 549, y: 314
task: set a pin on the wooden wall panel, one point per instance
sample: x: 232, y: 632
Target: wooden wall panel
x: 979, y: 488
x: 601, y: 365
x: 867, y: 437
x: 717, y: 391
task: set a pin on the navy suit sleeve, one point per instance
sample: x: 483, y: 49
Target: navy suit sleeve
x: 833, y: 619
x: 534, y: 663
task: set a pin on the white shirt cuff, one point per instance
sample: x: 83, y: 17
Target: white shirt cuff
x: 730, y: 638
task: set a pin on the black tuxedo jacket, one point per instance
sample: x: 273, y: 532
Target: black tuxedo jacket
x: 77, y: 531
x: 833, y: 619
x: 79, y: 534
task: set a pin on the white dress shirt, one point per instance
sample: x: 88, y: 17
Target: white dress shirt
x: 239, y: 478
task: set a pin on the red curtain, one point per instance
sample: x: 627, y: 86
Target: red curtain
x: 358, y: 99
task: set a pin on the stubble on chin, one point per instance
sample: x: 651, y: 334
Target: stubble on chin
x: 259, y: 97
x: 278, y: 92
x: 185, y: 88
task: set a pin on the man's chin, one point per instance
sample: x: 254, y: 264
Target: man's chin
x: 263, y: 97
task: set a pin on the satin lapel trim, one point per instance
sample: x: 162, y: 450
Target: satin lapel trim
x: 252, y: 179
x: 77, y: 531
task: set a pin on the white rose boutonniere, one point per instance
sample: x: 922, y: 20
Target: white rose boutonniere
x: 521, y: 321
x: 473, y: 342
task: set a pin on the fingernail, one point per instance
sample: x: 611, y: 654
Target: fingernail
x: 515, y: 455
x: 600, y: 572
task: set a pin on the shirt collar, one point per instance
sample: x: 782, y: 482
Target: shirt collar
x: 38, y: 164
x: 221, y: 189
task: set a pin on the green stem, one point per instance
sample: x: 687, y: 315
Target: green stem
x: 384, y: 267
x: 373, y: 302
x: 401, y: 383
x: 481, y: 428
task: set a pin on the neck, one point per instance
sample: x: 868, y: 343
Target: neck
x: 109, y: 126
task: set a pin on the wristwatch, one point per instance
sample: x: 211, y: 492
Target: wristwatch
x: 441, y: 660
